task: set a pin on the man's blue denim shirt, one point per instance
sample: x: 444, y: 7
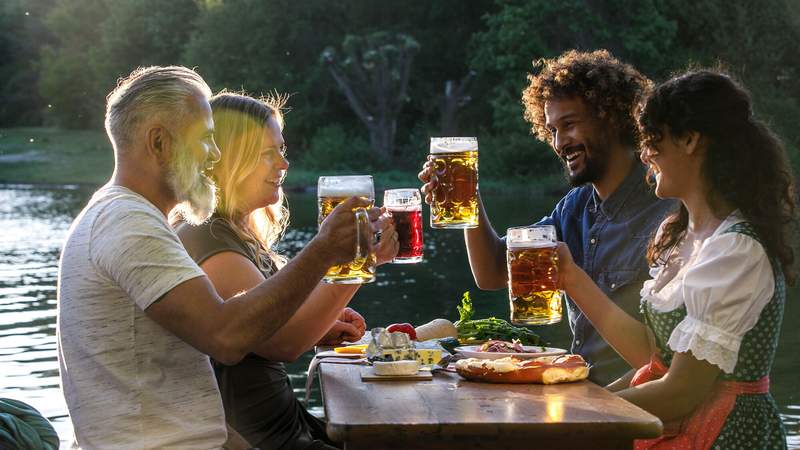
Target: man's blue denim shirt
x: 608, y: 239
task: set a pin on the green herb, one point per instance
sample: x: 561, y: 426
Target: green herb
x: 490, y: 328
x: 465, y: 310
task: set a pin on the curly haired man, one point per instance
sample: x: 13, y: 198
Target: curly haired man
x: 583, y: 104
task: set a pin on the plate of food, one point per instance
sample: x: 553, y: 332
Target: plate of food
x: 496, y: 349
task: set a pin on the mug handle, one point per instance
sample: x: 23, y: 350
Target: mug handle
x: 362, y: 250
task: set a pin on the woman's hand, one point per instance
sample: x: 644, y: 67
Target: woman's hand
x: 349, y: 327
x: 388, y: 246
x: 566, y: 267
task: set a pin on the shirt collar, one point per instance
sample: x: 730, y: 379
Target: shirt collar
x: 632, y: 183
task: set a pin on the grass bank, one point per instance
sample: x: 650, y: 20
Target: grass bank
x: 55, y: 156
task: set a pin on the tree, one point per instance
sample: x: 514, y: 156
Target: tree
x: 456, y: 96
x: 23, y: 35
x: 373, y: 74
x: 757, y: 42
x: 98, y: 41
x: 67, y: 80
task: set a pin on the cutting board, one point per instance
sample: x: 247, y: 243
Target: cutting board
x: 367, y: 374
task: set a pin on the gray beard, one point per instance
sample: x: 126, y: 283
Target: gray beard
x: 197, y: 195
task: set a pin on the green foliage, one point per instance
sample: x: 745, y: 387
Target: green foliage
x: 99, y: 41
x: 517, y: 156
x: 68, y: 54
x: 67, y: 80
x: 333, y: 149
x: 756, y: 41
x: 23, y: 30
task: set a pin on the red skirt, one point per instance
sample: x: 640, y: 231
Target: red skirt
x: 700, y: 429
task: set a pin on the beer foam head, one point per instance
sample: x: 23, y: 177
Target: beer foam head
x: 402, y: 198
x: 511, y: 245
x: 536, y: 236
x: 346, y: 186
x: 453, y: 144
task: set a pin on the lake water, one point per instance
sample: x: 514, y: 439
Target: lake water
x: 34, y: 222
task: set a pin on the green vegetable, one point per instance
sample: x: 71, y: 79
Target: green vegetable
x: 491, y: 328
x: 465, y: 310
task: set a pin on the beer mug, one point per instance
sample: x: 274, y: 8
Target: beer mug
x: 332, y: 190
x: 406, y: 208
x: 455, y: 199
x: 533, y: 275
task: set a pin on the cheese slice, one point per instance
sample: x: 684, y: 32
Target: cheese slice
x: 351, y: 349
x: 407, y: 367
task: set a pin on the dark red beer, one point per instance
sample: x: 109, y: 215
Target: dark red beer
x: 406, y: 208
x: 408, y: 224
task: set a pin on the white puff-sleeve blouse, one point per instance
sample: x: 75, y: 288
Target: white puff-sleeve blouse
x: 725, y: 286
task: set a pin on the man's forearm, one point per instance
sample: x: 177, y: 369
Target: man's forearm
x: 486, y: 253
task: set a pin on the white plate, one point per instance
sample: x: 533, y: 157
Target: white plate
x: 531, y: 351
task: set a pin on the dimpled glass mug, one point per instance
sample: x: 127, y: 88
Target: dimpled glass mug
x: 332, y: 190
x: 532, y: 260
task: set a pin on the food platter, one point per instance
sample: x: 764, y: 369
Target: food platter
x: 531, y: 351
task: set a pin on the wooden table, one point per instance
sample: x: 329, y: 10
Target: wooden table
x: 450, y: 412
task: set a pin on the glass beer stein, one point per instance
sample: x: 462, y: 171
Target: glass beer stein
x: 533, y: 275
x: 455, y: 200
x: 332, y: 190
x: 406, y: 208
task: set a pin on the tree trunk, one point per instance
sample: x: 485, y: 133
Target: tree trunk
x: 381, y: 138
x: 455, y: 96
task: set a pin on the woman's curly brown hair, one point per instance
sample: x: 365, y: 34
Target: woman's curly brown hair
x: 611, y: 89
x: 745, y: 164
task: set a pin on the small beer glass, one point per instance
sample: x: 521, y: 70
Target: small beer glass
x: 332, y: 190
x: 406, y: 208
x: 455, y: 199
x: 533, y: 275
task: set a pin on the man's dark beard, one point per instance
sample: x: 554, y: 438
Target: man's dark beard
x: 594, y: 169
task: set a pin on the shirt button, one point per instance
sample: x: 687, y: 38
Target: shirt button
x: 592, y: 240
x: 577, y: 342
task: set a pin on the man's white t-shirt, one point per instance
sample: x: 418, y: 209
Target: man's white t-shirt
x: 128, y: 382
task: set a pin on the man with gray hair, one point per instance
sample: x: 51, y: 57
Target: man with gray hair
x: 136, y: 315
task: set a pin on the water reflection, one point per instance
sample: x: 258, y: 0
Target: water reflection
x: 34, y: 222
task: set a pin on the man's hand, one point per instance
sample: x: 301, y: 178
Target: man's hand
x: 388, y: 245
x: 428, y: 176
x: 338, y: 233
x: 349, y: 327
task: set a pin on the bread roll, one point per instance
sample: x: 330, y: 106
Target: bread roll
x: 543, y: 370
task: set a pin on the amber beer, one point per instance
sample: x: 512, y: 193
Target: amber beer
x: 406, y: 208
x: 332, y: 190
x: 455, y: 199
x: 533, y: 275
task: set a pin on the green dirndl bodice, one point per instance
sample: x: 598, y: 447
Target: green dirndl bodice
x: 754, y: 422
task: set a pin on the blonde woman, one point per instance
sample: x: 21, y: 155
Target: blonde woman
x: 236, y: 250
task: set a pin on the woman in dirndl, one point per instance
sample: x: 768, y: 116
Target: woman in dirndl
x: 719, y: 267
